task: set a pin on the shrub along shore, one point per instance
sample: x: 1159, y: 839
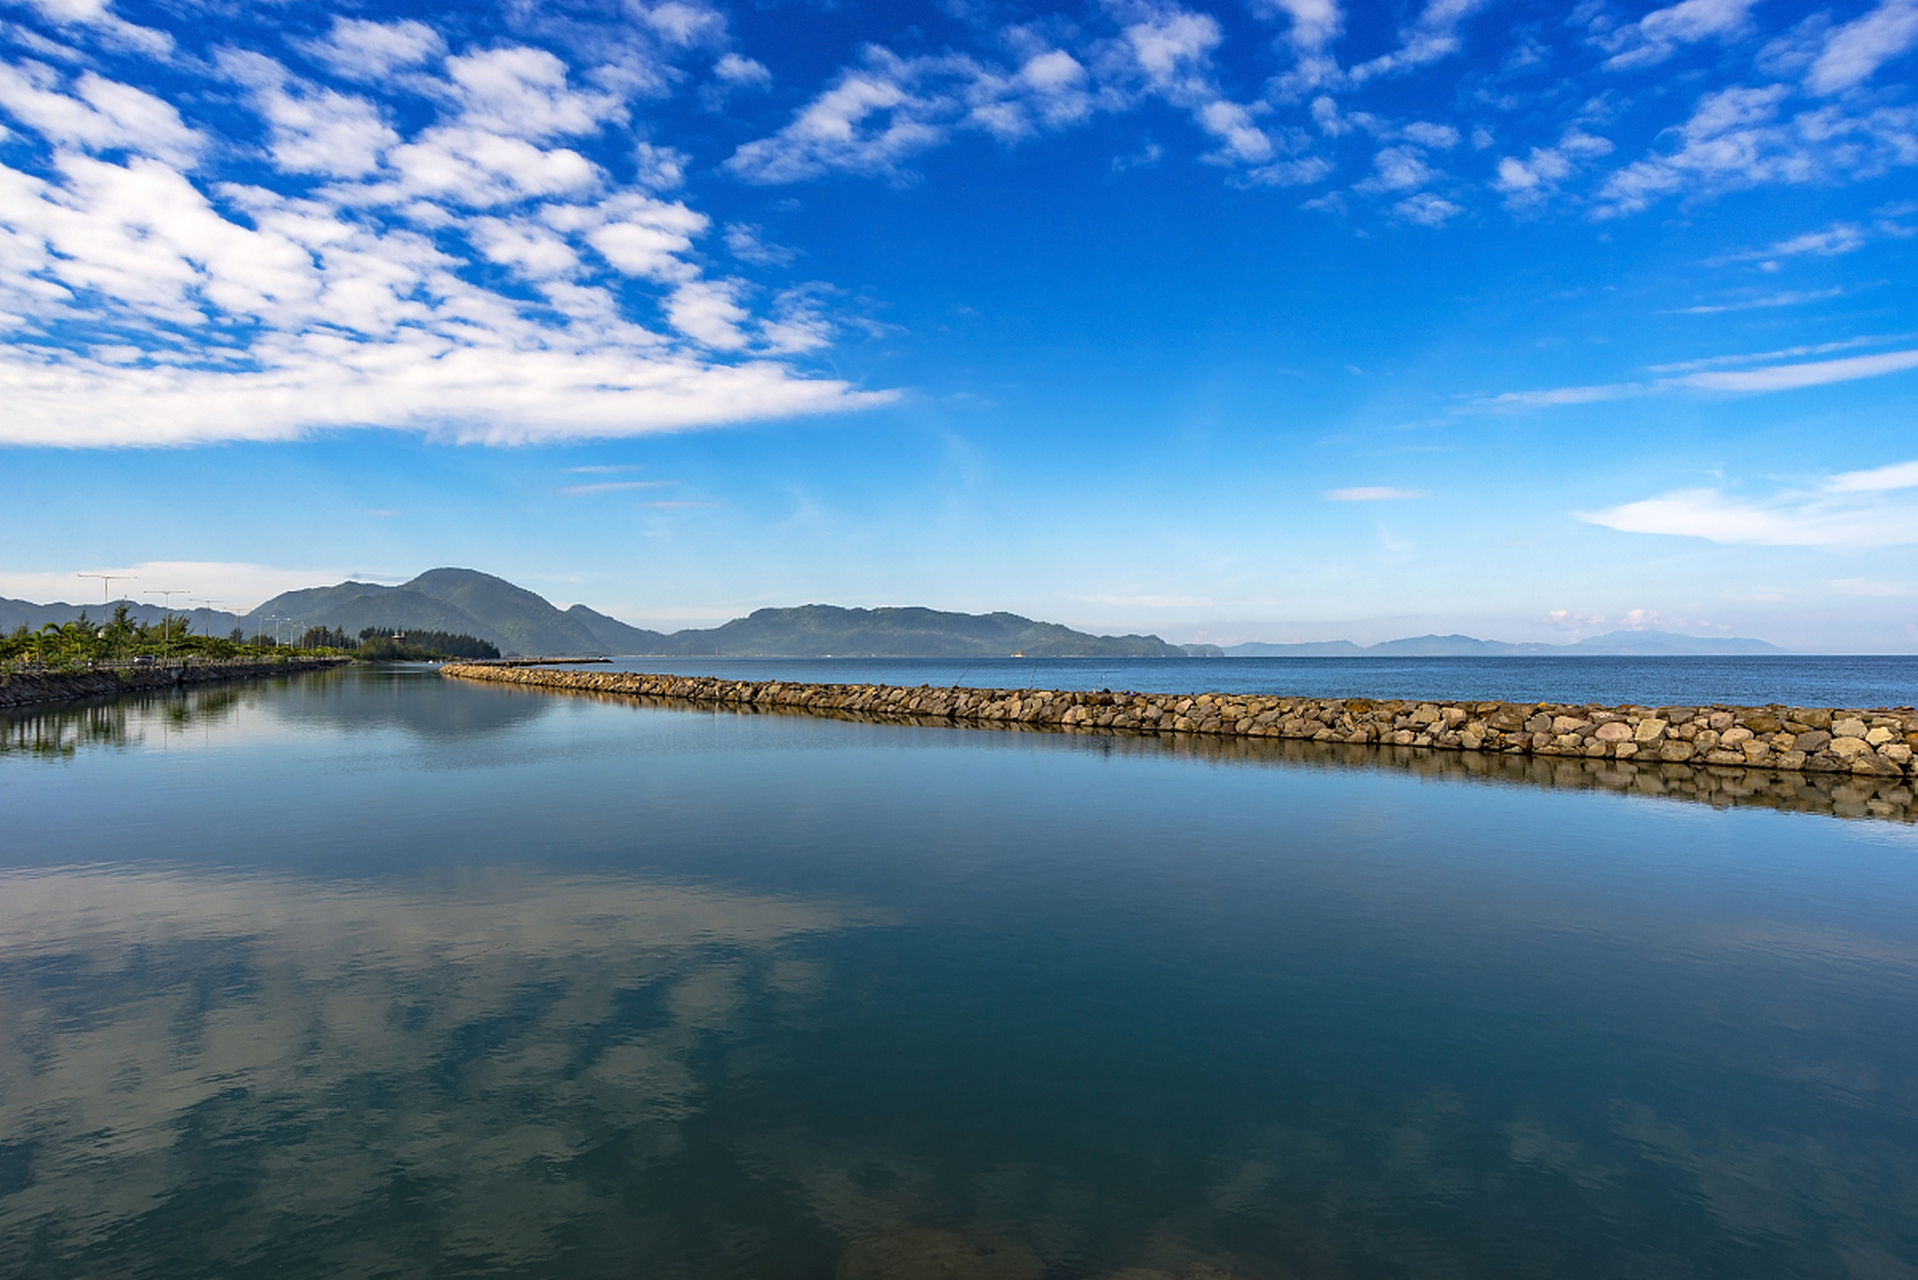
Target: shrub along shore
x: 1873, y: 743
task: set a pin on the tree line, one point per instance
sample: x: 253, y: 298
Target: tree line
x: 123, y: 638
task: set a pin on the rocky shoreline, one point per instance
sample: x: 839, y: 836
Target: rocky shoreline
x: 1877, y: 743
x: 32, y: 688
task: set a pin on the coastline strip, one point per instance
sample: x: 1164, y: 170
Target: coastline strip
x: 32, y: 688
x: 1869, y: 742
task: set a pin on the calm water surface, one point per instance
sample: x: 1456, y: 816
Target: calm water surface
x: 374, y: 974
x: 1797, y: 680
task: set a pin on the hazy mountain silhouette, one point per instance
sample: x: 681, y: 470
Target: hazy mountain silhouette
x: 524, y: 623
x: 1616, y: 643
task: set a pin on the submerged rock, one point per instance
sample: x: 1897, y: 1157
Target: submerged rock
x: 928, y: 1253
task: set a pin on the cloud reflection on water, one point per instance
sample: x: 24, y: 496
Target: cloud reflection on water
x: 335, y: 1066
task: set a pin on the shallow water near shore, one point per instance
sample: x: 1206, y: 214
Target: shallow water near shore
x: 1793, y: 679
x: 374, y: 973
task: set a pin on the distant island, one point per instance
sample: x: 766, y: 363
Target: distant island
x: 1637, y: 644
x: 470, y: 605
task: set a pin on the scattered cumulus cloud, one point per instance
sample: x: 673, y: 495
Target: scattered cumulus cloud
x: 426, y: 249
x: 1659, y: 34
x: 1745, y: 137
x: 887, y: 109
x: 1854, y: 52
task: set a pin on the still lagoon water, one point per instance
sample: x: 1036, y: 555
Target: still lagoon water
x: 370, y: 974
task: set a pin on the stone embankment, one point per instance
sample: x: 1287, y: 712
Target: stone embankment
x: 1873, y: 743
x: 28, y: 688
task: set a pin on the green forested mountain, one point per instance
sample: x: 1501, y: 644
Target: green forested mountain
x: 521, y: 622
x: 820, y: 629
x: 460, y: 601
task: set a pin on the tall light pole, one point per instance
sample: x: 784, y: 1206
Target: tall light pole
x: 167, y: 611
x: 106, y: 583
x: 205, y: 630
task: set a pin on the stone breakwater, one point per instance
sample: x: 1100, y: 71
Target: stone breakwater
x: 28, y: 688
x: 1874, y: 743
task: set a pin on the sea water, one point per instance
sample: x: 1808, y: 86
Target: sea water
x: 1794, y: 680
x: 370, y: 973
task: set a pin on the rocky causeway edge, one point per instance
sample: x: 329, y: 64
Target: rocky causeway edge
x: 1870, y: 742
x: 31, y: 688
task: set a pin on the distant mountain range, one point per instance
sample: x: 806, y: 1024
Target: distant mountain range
x: 520, y: 622
x: 1638, y: 644
x: 523, y: 623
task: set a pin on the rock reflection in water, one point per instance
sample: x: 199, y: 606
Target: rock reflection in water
x: 1839, y: 795
x: 202, y: 1074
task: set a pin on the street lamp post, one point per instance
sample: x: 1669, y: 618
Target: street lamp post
x: 106, y: 583
x: 167, y: 612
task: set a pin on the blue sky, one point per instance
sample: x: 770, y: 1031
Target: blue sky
x: 1274, y: 320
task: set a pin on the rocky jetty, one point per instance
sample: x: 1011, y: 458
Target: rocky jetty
x: 1875, y: 743
x: 28, y: 688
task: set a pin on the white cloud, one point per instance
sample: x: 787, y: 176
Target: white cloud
x: 708, y: 312
x: 868, y: 122
x: 1427, y: 210
x: 614, y: 486
x: 798, y: 323
x: 659, y: 168
x: 533, y: 249
x: 886, y: 109
x: 97, y: 114
x: 1432, y: 36
x: 1789, y: 299
x: 372, y: 51
x: 1790, y: 377
x: 1314, y: 26
x: 745, y: 241
x: 1554, y: 397
x: 1534, y: 181
x: 523, y: 93
x: 1854, y: 52
x: 1760, y: 380
x: 1783, y: 353
x: 481, y: 392
x: 1819, y: 517
x: 314, y: 129
x: 1372, y: 493
x: 1735, y: 139
x: 638, y: 235
x: 1828, y: 242
x: 148, y: 305
x: 476, y: 168
x: 1397, y: 169
x: 1657, y: 35
x: 741, y: 72
x: 1440, y: 137
x: 98, y: 16
x: 1898, y: 475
